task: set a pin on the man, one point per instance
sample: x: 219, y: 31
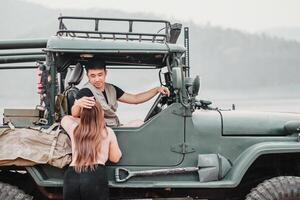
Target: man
x: 107, y: 94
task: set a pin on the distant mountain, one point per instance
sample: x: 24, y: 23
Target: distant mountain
x: 20, y: 19
x: 25, y: 20
x: 289, y: 33
x: 224, y: 58
x: 228, y: 58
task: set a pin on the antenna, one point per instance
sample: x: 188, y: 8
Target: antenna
x: 187, y: 53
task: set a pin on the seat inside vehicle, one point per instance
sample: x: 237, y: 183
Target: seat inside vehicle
x: 71, y: 90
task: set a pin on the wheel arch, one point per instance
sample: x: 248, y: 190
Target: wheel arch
x: 257, y: 153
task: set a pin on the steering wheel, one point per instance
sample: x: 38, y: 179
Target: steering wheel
x: 156, y: 107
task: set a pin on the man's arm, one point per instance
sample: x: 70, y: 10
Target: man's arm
x: 84, y: 102
x: 144, y: 96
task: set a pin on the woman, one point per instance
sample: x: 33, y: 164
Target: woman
x: 92, y: 145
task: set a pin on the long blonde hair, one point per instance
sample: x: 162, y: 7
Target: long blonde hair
x: 88, y: 137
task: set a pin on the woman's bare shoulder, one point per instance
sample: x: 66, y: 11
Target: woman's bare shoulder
x: 69, y: 123
x: 110, y: 132
x: 109, y: 129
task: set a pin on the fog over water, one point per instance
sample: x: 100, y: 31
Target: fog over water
x: 21, y: 93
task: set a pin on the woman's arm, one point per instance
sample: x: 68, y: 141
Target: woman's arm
x: 84, y: 102
x: 115, y: 153
x: 69, y: 123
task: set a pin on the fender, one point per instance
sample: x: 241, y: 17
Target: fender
x: 244, y: 161
x: 234, y: 176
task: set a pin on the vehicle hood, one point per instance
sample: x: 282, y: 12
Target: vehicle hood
x: 256, y: 123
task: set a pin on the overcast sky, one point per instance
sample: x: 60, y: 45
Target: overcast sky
x: 247, y: 15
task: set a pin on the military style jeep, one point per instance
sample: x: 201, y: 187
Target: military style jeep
x: 184, y: 149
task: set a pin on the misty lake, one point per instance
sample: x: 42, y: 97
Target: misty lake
x: 18, y: 90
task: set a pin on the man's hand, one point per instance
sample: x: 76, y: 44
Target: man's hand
x: 163, y: 91
x: 85, y: 102
x: 144, y: 96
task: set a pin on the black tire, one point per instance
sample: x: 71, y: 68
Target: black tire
x: 279, y: 188
x: 9, y: 192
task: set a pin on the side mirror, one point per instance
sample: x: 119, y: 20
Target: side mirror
x: 192, y: 85
x: 175, y: 32
x: 196, y: 86
x: 177, y: 77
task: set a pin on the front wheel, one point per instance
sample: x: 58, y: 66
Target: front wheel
x: 278, y: 188
x: 9, y: 192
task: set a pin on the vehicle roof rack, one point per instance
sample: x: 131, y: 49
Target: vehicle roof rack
x: 130, y: 35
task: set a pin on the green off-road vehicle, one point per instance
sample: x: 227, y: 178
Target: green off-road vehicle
x: 185, y: 148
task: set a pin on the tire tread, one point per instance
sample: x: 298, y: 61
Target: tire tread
x: 9, y: 192
x: 278, y: 188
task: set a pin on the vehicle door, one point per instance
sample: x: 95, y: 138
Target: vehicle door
x: 155, y: 142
